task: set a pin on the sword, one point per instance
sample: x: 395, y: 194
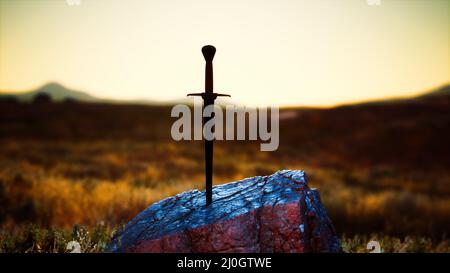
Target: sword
x: 208, y: 99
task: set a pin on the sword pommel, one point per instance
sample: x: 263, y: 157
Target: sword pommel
x: 208, y: 52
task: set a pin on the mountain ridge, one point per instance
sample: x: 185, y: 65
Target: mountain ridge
x: 59, y: 92
x: 56, y: 91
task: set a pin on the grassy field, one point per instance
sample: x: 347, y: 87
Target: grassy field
x: 79, y: 171
x: 32, y: 239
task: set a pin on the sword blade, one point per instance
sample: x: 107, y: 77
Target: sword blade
x: 209, y: 144
x: 208, y: 99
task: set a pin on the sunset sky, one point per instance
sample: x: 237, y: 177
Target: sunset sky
x: 318, y: 52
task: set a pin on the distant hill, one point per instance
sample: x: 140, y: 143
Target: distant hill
x: 436, y: 93
x: 59, y: 93
x: 56, y: 91
x: 442, y: 91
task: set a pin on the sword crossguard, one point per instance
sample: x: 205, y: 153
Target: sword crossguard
x: 208, y: 95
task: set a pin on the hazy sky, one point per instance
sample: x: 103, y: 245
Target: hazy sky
x: 318, y: 52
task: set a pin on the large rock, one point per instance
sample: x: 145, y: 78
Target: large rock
x: 276, y: 213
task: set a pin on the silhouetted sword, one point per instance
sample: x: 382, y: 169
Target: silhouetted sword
x: 208, y: 99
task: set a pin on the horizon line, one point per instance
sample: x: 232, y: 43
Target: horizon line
x: 174, y: 101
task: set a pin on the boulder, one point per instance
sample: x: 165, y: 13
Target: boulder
x: 276, y: 213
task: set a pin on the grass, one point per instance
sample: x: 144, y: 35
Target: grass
x: 76, y: 171
x: 38, y: 240
x: 54, y: 186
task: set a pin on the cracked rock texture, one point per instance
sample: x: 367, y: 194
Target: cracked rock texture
x: 276, y: 213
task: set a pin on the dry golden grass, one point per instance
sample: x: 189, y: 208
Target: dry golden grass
x: 66, y: 183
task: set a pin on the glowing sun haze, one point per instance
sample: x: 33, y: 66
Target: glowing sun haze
x: 268, y: 52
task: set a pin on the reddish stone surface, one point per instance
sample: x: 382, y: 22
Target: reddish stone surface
x: 277, y: 213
